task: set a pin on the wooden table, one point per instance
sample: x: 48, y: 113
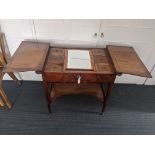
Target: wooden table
x: 63, y: 81
x: 49, y: 61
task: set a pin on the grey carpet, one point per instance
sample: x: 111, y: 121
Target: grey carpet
x: 130, y: 110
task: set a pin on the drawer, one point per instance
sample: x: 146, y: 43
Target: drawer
x: 73, y: 78
x: 88, y: 78
x: 84, y: 78
x: 53, y: 77
x: 105, y: 78
x: 70, y: 78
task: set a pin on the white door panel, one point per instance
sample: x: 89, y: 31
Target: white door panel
x: 127, y: 34
x: 118, y: 34
x: 50, y: 29
x: 143, y: 35
x: 17, y: 28
x: 85, y: 22
x: 117, y: 23
x: 137, y: 33
x: 16, y: 31
x: 84, y: 30
x: 60, y: 32
x: 132, y: 23
x: 82, y: 33
x: 143, y: 23
x: 73, y: 44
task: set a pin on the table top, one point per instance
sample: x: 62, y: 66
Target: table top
x: 29, y: 56
x: 56, y: 60
x: 127, y: 61
x: 40, y: 57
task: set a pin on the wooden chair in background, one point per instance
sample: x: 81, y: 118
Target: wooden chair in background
x: 4, y: 59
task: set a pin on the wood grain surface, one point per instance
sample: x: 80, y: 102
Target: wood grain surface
x: 102, y: 63
x: 127, y: 61
x: 87, y: 89
x: 30, y: 56
x: 113, y: 60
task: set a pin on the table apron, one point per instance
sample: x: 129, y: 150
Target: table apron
x: 73, y: 78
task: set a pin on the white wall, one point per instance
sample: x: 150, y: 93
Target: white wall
x: 80, y: 33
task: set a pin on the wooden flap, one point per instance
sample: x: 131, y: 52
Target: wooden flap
x: 30, y: 56
x: 127, y: 61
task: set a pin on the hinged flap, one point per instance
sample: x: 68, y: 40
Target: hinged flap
x: 30, y: 56
x: 127, y: 61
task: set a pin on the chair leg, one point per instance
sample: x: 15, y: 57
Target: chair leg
x: 1, y: 103
x: 2, y: 93
x: 14, y: 78
x: 5, y: 99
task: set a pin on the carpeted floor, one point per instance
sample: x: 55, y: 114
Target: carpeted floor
x: 130, y: 110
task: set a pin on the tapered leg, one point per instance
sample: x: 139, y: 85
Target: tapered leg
x: 104, y: 100
x: 106, y: 96
x: 109, y: 89
x: 47, y: 93
x: 104, y: 106
x: 47, y: 96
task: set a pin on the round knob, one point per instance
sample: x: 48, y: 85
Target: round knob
x: 95, y: 34
x: 102, y: 35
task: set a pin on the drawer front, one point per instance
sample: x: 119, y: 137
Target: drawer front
x: 105, y: 78
x: 75, y: 78
x: 53, y: 77
x: 81, y: 78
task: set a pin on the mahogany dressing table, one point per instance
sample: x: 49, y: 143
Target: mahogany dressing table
x: 51, y: 63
